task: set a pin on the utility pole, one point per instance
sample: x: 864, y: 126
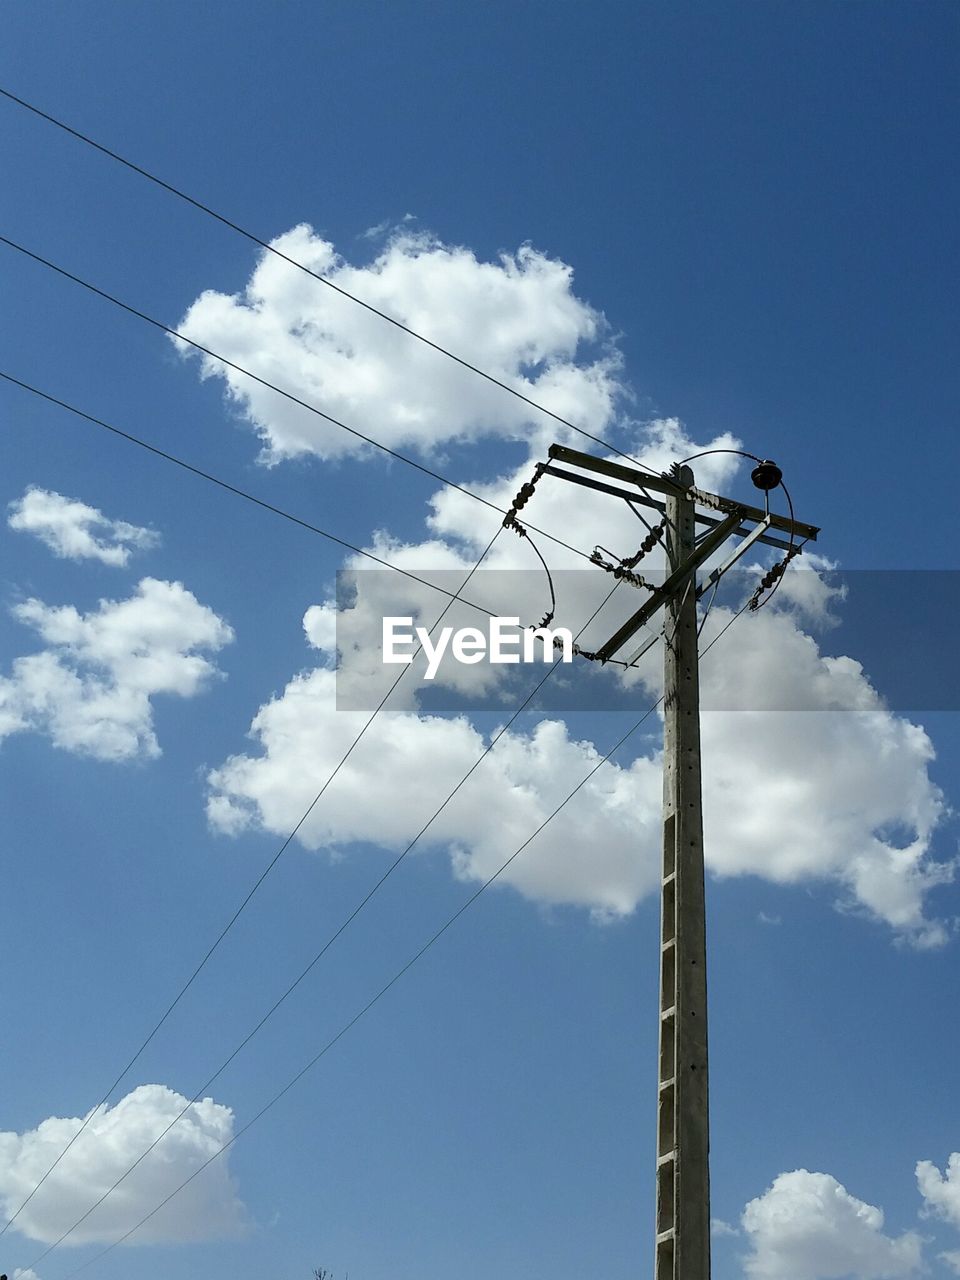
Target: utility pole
x: 683, y: 1130
x: 682, y: 1230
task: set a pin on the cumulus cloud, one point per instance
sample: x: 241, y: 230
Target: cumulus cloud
x: 807, y: 1226
x: 518, y: 318
x: 74, y: 531
x: 416, y: 760
x: 848, y: 780
x: 850, y: 788
x: 207, y: 1209
x: 941, y: 1192
x: 719, y: 1228
x: 90, y: 688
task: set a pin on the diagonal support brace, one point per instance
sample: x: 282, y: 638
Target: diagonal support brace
x: 703, y: 550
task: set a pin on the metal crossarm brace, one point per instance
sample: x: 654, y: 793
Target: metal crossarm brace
x: 641, y: 500
x: 660, y: 484
x: 695, y: 557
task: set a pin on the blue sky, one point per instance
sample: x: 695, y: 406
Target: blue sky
x: 758, y: 207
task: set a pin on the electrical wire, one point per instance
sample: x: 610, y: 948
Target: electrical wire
x: 233, y: 919
x: 743, y: 453
x: 278, y: 253
x: 642, y: 518
x: 271, y: 386
x: 548, y: 617
x: 267, y: 247
x: 790, y: 552
x: 116, y: 431
x: 237, y: 492
x: 327, y: 945
x: 705, y: 452
x: 434, y: 938
x: 706, y: 612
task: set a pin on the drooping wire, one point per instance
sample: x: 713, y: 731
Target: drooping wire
x: 271, y: 386
x: 743, y: 453
x: 772, y: 578
x: 316, y: 275
x: 522, y: 532
x: 435, y: 937
x: 510, y: 521
x: 793, y: 550
x: 330, y: 941
x: 233, y: 919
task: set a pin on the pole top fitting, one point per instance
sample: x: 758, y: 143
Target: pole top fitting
x: 766, y: 475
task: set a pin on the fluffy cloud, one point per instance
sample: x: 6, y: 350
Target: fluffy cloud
x: 416, y: 760
x: 90, y: 689
x: 518, y: 318
x: 719, y: 1228
x: 848, y: 779
x: 74, y: 531
x: 807, y: 1226
x: 207, y: 1209
x: 941, y: 1192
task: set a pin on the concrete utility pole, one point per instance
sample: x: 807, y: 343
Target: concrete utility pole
x: 683, y: 1131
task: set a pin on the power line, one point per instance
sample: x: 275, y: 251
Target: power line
x: 233, y: 489
x: 237, y: 492
x: 269, y: 248
x: 327, y: 945
x: 233, y: 919
x: 271, y: 386
x: 118, y: 432
x: 465, y: 906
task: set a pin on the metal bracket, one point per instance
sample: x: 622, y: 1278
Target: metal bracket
x: 661, y: 484
x: 661, y: 595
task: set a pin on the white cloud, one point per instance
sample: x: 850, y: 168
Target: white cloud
x: 807, y: 1226
x: 840, y: 794
x: 941, y: 1192
x: 207, y: 1209
x: 20, y: 1274
x: 517, y: 317
x: 74, y: 531
x: 720, y: 1228
x: 823, y: 794
x: 952, y: 1258
x: 415, y: 761
x: 90, y: 689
